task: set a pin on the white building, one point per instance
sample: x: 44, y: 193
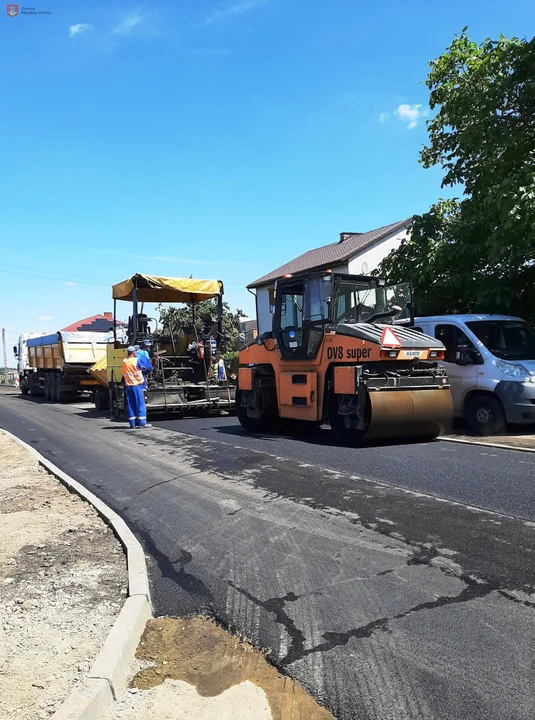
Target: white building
x: 356, y: 253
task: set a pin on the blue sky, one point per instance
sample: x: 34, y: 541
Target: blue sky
x: 213, y: 138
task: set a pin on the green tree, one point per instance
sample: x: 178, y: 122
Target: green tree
x: 477, y: 253
x: 173, y: 318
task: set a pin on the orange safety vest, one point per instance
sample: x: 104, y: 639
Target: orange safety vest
x: 132, y: 376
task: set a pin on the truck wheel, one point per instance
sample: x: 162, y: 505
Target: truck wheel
x: 54, y: 388
x: 485, y: 416
x: 61, y: 395
x: 34, y: 390
x: 50, y: 388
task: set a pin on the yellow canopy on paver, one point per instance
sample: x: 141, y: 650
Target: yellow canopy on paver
x: 151, y: 288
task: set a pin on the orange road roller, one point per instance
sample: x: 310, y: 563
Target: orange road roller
x: 342, y: 351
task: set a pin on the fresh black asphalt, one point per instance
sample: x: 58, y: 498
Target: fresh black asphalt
x: 487, y: 477
x: 386, y: 602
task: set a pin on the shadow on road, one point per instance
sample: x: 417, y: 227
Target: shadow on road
x: 321, y: 436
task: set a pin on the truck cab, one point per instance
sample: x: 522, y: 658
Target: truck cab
x: 490, y: 361
x: 20, y: 351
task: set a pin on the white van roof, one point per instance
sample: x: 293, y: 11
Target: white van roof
x: 471, y: 317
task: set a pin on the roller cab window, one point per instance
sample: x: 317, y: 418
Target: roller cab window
x: 358, y: 302
x: 302, y: 310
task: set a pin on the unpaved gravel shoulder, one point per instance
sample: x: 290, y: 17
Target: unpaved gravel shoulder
x: 63, y: 581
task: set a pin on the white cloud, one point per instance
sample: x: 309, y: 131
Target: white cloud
x: 383, y: 117
x: 237, y: 8
x: 80, y: 28
x: 410, y: 114
x: 70, y: 282
x: 45, y: 317
x: 128, y: 23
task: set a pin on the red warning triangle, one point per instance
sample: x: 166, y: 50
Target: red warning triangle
x: 389, y: 338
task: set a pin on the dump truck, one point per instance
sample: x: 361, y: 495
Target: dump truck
x: 56, y: 366
x: 342, y: 351
x: 182, y: 379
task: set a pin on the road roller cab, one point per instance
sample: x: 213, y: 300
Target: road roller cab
x: 342, y: 351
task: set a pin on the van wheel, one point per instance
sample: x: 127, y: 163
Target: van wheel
x: 485, y: 416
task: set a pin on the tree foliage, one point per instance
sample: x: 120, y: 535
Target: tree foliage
x: 477, y: 253
x: 173, y: 318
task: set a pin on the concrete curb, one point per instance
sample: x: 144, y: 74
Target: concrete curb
x: 109, y: 672
x: 501, y: 446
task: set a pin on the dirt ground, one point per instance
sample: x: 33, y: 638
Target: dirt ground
x: 62, y: 584
x: 514, y: 438
x: 192, y: 668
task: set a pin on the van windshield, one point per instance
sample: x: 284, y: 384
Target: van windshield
x: 506, y: 339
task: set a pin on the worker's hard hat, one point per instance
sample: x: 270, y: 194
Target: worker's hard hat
x: 137, y: 347
x: 130, y: 349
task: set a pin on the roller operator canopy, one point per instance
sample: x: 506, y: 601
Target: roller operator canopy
x: 151, y: 288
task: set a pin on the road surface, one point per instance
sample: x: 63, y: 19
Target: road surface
x: 386, y: 602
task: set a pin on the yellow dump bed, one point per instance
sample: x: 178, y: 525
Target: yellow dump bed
x: 62, y: 350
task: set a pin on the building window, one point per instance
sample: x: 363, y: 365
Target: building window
x: 271, y: 300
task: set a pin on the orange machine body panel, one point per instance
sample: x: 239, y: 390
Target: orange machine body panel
x: 245, y: 378
x: 297, y: 394
x: 344, y: 380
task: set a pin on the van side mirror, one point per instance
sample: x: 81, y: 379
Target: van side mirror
x: 463, y: 358
x: 468, y: 355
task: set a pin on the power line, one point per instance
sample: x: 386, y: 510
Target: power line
x: 30, y: 273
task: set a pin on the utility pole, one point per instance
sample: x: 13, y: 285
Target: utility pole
x: 5, y: 354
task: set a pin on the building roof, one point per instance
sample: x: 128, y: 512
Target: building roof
x: 349, y: 244
x: 95, y: 323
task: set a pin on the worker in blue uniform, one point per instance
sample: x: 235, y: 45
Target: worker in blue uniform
x: 145, y: 350
x: 133, y: 380
x: 143, y: 353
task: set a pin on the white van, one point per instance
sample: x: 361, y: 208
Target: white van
x: 490, y: 360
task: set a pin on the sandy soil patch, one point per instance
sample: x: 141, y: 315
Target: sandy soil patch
x: 192, y: 668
